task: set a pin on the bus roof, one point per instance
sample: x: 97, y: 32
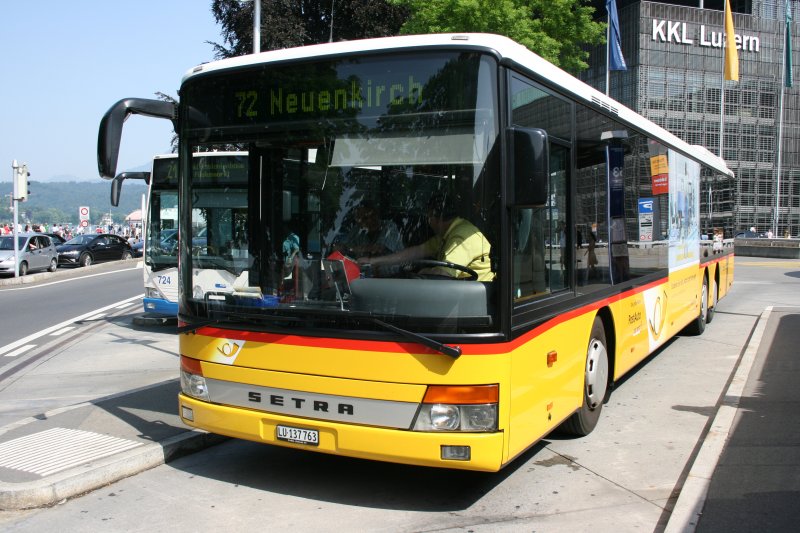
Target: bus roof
x: 509, y: 52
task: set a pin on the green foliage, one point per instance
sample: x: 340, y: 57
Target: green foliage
x: 554, y: 29
x: 58, y: 202
x: 288, y: 23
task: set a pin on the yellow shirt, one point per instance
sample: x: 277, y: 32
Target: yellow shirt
x: 462, y: 244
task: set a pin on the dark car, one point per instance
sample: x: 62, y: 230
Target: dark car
x: 748, y: 234
x: 138, y: 248
x: 36, y: 252
x: 56, y: 238
x: 84, y: 250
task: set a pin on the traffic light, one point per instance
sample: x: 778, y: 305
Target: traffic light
x: 21, y: 183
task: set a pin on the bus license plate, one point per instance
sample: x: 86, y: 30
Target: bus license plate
x: 298, y: 435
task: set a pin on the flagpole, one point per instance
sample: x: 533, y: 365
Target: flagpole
x: 608, y: 57
x: 722, y: 85
x: 776, y: 217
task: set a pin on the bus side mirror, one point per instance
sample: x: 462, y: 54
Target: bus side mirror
x: 110, y: 133
x: 116, y: 183
x: 116, y: 189
x: 530, y: 160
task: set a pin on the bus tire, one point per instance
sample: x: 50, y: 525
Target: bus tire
x: 698, y: 325
x: 595, y: 384
x: 713, y: 306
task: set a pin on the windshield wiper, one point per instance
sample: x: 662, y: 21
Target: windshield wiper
x: 243, y: 318
x: 451, y: 351
x: 445, y: 349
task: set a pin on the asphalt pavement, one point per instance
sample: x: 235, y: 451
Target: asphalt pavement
x: 745, y: 477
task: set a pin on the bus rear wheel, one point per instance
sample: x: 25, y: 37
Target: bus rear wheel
x: 713, y: 306
x: 595, y: 384
x: 698, y: 325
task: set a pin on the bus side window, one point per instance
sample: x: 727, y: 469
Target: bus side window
x: 529, y: 268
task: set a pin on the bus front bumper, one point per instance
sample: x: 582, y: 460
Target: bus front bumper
x: 160, y: 306
x: 486, y: 450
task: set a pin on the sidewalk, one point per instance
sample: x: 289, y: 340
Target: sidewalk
x: 746, y: 476
x: 108, y: 404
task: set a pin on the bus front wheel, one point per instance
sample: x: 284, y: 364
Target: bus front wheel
x: 595, y: 384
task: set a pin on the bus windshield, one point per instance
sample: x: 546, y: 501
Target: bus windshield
x: 161, y: 242
x: 348, y: 161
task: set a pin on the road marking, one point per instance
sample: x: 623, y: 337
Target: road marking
x: 95, y: 317
x: 57, y: 449
x: 777, y: 264
x: 30, y: 287
x: 125, y: 306
x: 62, y: 331
x: 20, y: 350
x: 16, y: 344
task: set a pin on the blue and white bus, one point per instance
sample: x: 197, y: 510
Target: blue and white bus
x: 161, y: 223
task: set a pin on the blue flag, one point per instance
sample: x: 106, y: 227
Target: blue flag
x: 615, y: 59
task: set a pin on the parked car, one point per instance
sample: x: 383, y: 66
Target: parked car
x: 748, y: 235
x: 37, y: 252
x: 84, y: 250
x: 138, y: 248
x: 56, y: 238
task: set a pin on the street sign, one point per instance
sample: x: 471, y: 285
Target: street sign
x: 83, y: 213
x: 84, y: 223
x: 645, y: 219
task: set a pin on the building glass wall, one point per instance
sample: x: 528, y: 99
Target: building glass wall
x: 674, y: 55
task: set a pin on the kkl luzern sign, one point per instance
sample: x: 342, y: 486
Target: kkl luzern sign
x: 668, y: 31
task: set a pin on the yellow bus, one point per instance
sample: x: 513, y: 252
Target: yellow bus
x: 304, y: 325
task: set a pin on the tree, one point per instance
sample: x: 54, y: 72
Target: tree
x: 554, y: 29
x: 288, y: 23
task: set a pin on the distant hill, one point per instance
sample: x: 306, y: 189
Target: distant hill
x: 58, y: 202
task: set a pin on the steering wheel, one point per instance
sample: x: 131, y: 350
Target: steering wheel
x: 416, y: 266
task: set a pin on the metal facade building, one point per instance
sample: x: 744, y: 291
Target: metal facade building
x: 674, y: 56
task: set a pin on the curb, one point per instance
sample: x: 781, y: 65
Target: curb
x: 85, y: 478
x: 692, y: 498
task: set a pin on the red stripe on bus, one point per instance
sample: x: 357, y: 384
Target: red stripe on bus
x: 413, y: 348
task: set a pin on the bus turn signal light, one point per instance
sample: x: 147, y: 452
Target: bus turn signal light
x: 461, y: 394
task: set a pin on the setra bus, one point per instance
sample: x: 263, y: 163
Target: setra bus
x: 160, y: 250
x: 582, y: 218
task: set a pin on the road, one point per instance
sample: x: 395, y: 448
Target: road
x: 57, y: 299
x: 623, y: 477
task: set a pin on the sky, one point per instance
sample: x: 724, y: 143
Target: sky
x: 66, y: 62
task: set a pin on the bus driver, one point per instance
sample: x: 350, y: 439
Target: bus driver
x: 455, y: 240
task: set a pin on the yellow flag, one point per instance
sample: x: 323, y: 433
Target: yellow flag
x: 731, y: 55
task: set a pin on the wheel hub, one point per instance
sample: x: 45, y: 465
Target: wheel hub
x: 596, y: 373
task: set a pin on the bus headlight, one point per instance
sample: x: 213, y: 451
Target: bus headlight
x: 192, y: 381
x: 444, y: 417
x: 154, y: 293
x: 461, y: 412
